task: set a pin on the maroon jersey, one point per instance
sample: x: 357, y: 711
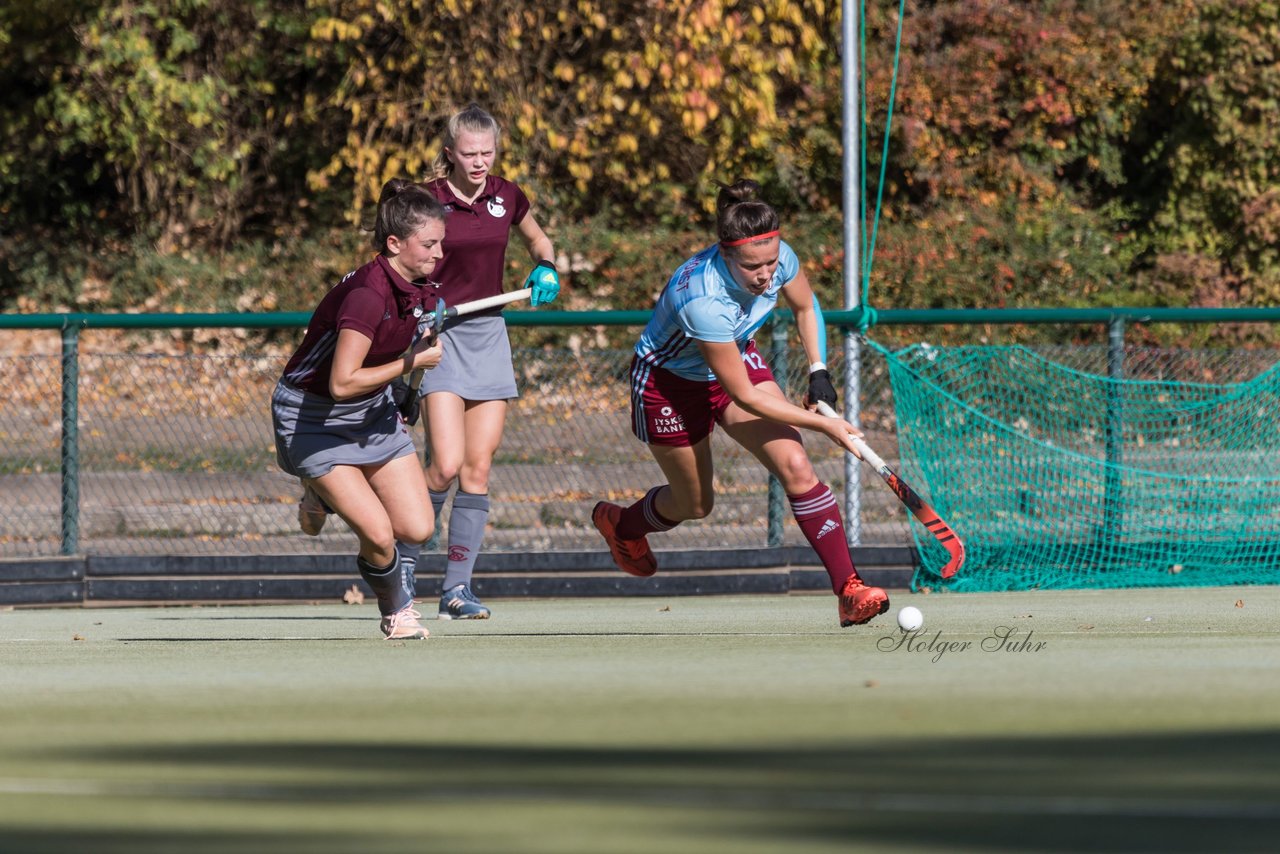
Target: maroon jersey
x: 375, y: 301
x: 475, y: 238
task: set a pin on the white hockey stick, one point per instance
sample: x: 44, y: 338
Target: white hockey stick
x: 433, y: 321
x: 919, y: 508
x: 481, y: 304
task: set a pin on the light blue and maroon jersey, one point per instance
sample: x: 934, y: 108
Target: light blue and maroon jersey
x: 702, y: 302
x: 375, y: 301
x: 475, y: 238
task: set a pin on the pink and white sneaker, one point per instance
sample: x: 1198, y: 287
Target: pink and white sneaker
x: 404, y: 625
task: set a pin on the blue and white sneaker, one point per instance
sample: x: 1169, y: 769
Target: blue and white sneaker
x: 459, y: 603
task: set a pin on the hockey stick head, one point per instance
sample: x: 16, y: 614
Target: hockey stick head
x: 932, y: 522
x: 950, y: 542
x: 956, y: 551
x: 437, y: 319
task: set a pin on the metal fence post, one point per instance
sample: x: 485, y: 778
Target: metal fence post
x: 70, y: 440
x: 853, y: 412
x: 778, y: 362
x: 1113, y: 498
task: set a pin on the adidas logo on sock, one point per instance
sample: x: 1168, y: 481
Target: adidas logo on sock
x: 827, y: 527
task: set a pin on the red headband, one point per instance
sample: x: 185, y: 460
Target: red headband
x: 752, y: 239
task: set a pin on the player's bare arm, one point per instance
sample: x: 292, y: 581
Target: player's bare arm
x: 535, y: 239
x: 543, y: 280
x: 348, y: 379
x: 798, y: 296
x: 725, y: 361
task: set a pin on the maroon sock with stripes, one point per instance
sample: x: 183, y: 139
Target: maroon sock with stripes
x: 818, y: 516
x: 643, y: 518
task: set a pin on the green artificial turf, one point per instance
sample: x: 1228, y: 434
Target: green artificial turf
x: 1124, y: 720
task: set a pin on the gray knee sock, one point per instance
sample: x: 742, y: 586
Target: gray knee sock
x: 437, y: 503
x: 387, y: 583
x: 437, y: 506
x: 409, y: 553
x: 466, y: 533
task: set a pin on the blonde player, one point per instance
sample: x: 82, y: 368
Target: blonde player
x: 464, y: 400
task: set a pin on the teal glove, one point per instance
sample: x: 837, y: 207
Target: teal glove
x: 545, y: 282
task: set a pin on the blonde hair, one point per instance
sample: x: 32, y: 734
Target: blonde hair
x: 470, y: 119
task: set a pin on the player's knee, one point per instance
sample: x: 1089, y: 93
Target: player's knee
x: 377, y: 552
x: 475, y: 474
x: 444, y: 471
x: 795, y: 472
x: 418, y: 530
x: 379, y: 541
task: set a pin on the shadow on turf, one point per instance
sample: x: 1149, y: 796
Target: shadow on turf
x: 271, y: 618
x: 204, y: 841
x: 1198, y: 791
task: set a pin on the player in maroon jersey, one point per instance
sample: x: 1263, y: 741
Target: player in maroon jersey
x: 336, y: 423
x: 465, y: 398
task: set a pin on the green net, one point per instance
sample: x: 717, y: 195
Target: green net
x: 1058, y: 477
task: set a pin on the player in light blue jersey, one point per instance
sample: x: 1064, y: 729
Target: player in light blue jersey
x: 696, y: 366
x: 702, y: 302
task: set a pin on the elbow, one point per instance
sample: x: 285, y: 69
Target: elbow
x: 747, y: 401
x: 341, y: 390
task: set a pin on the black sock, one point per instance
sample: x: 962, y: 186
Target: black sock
x: 387, y: 584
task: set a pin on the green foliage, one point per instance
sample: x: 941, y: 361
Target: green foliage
x: 1066, y: 152
x: 1014, y: 98
x: 1053, y: 251
x: 168, y: 118
x: 35, y: 39
x: 1207, y: 172
x: 278, y: 274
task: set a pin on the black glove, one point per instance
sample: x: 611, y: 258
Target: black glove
x: 406, y: 398
x: 820, y: 388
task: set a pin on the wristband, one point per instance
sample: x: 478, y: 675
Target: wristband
x: 817, y: 366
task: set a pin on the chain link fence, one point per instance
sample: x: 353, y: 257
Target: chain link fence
x: 176, y: 455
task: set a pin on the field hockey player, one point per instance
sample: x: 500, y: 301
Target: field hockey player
x: 696, y: 365
x: 464, y: 400
x: 337, y: 426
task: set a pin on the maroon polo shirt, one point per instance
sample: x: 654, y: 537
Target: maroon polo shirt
x: 375, y: 301
x: 475, y: 238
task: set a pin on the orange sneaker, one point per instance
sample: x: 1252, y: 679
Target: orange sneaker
x: 632, y: 556
x: 860, y: 603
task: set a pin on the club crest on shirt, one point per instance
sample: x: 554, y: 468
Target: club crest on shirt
x: 495, y: 207
x: 417, y: 311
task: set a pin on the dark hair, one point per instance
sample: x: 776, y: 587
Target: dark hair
x: 740, y: 214
x: 403, y: 208
x: 472, y: 119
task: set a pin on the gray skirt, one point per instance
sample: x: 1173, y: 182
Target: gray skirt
x: 476, y: 364
x: 314, y: 433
